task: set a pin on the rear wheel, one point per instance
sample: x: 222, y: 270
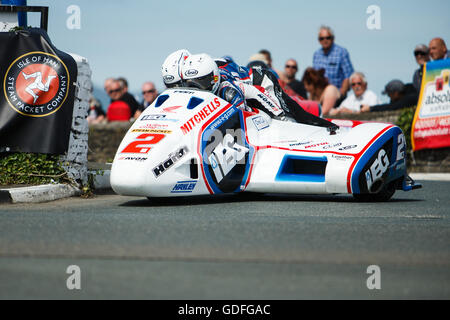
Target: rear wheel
x: 383, y: 195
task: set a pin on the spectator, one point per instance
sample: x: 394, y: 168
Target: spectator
x: 401, y: 97
x: 320, y: 90
x: 268, y: 56
x: 334, y: 59
x: 438, y: 49
x: 107, y: 84
x: 290, y: 70
x: 118, y: 93
x: 124, y: 83
x: 149, y: 93
x: 421, y: 53
x: 361, y: 96
x: 96, y: 113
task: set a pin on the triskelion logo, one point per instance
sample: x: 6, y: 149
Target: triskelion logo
x: 36, y: 84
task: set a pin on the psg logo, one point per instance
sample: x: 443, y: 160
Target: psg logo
x: 36, y: 84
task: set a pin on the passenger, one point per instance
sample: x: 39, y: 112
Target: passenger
x: 208, y: 77
x: 171, y: 68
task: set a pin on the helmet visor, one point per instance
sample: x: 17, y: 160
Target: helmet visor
x: 204, y: 83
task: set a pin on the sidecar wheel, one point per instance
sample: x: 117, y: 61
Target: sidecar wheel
x: 383, y: 195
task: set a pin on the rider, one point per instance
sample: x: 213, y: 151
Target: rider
x: 171, y: 68
x: 258, y: 74
x: 201, y: 71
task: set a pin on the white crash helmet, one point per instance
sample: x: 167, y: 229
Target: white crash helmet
x: 201, y: 71
x: 171, y: 68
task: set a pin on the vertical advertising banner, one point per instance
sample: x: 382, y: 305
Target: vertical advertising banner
x: 431, y: 125
x: 37, y: 93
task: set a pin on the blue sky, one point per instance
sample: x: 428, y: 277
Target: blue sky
x: 132, y: 38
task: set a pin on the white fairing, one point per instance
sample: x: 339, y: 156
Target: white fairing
x: 169, y: 151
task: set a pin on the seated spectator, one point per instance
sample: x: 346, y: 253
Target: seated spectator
x: 107, y: 84
x: 149, y: 93
x: 290, y: 70
x: 361, y: 96
x: 117, y: 93
x: 401, y: 95
x: 118, y: 111
x: 124, y: 83
x: 320, y: 90
x: 421, y: 53
x: 96, y: 113
x: 438, y: 49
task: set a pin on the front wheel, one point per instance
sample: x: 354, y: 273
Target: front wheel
x: 383, y: 195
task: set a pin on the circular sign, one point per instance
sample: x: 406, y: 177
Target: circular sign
x: 36, y: 84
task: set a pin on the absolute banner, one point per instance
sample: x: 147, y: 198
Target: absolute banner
x: 431, y: 125
x: 37, y: 98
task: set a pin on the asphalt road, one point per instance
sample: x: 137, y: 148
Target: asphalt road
x: 232, y: 247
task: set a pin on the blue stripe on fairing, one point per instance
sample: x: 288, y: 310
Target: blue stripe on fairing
x: 299, y: 177
x: 390, y: 133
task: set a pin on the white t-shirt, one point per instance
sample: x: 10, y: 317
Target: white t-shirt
x: 353, y: 103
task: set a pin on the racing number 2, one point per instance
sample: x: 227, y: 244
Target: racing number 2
x: 143, y: 143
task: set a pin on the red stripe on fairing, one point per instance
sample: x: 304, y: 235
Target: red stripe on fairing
x: 199, y: 144
x: 355, y: 161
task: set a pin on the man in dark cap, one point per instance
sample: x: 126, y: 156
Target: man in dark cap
x: 422, y: 55
x: 401, y: 95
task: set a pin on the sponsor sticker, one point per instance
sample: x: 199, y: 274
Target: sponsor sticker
x: 260, y: 123
x: 377, y: 168
x: 168, y: 78
x: 36, y: 84
x: 198, y: 118
x: 184, y: 187
x: 316, y: 145
x: 156, y: 117
x: 341, y: 157
x: 191, y: 73
x: 133, y: 158
x: 298, y: 143
x: 152, y: 131
x: 184, y: 91
x: 173, y: 158
x: 348, y: 147
x: 146, y: 125
x: 225, y: 156
x: 332, y: 146
x: 171, y: 109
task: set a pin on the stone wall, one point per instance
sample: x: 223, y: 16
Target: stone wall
x: 104, y: 139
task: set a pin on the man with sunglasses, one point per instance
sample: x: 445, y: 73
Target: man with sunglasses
x: 290, y: 70
x: 334, y: 59
x: 421, y: 53
x: 361, y: 96
x: 149, y: 93
x: 117, y: 92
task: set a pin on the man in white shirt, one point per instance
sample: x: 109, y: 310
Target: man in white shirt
x: 361, y: 96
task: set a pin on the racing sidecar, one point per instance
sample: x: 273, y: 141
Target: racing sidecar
x: 191, y: 142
